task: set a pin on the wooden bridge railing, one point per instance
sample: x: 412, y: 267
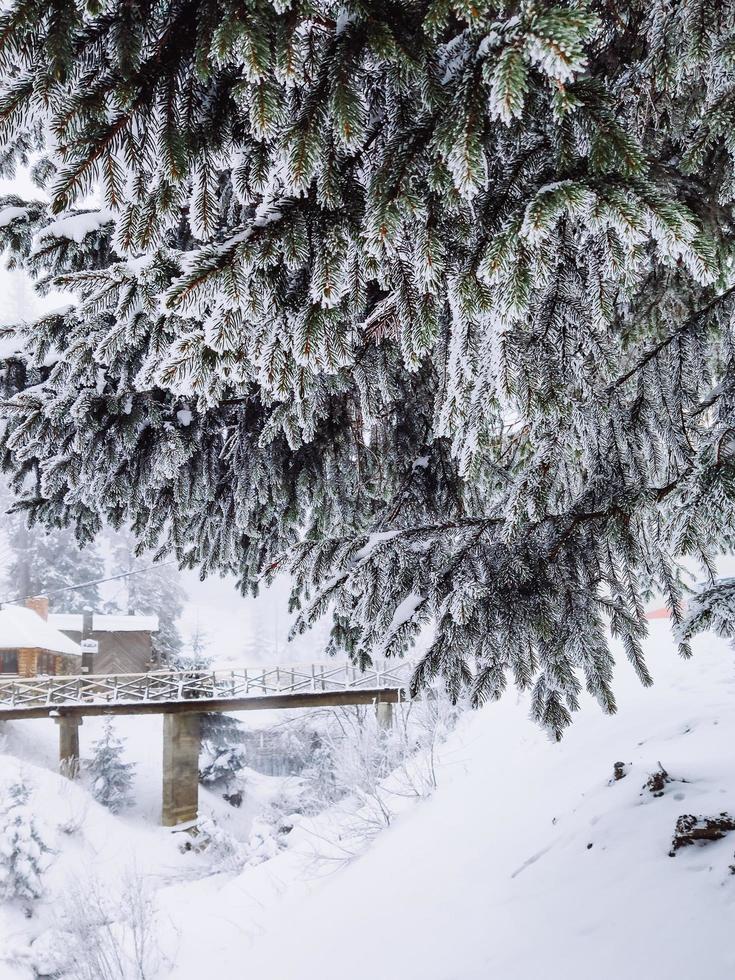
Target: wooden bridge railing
x: 186, y: 685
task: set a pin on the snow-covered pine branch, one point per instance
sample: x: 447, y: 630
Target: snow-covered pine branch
x: 333, y: 243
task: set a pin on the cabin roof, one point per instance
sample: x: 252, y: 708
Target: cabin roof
x: 23, y: 628
x: 105, y: 623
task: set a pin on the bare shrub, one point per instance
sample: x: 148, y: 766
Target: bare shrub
x: 361, y: 772
x: 77, y: 804
x: 109, y: 936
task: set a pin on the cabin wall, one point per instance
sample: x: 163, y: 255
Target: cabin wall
x: 30, y: 662
x: 124, y: 652
x: 27, y: 660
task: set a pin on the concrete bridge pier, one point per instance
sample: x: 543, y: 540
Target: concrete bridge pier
x: 384, y: 714
x: 69, y: 744
x: 181, y: 740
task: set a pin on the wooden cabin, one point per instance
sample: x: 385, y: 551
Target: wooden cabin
x: 30, y: 645
x: 112, y: 644
x: 33, y: 642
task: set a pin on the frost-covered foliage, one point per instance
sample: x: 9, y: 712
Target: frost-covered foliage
x: 375, y: 765
x: 320, y: 778
x: 223, y: 851
x: 23, y: 850
x: 223, y: 754
x: 360, y: 772
x: 353, y: 777
x: 223, y: 766
x: 270, y: 829
x: 105, y: 934
x: 429, y: 302
x: 110, y: 777
x: 711, y: 608
x: 361, y: 776
x: 286, y: 748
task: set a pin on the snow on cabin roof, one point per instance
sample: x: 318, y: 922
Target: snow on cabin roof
x: 24, y: 628
x: 120, y: 624
x: 105, y: 624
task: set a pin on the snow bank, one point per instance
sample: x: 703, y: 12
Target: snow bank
x: 530, y: 860
x: 10, y: 344
x: 93, y: 850
x: 87, y: 843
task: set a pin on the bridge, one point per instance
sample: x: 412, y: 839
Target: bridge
x: 182, y: 696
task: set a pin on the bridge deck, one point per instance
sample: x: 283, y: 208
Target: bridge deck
x: 310, y: 699
x: 175, y: 692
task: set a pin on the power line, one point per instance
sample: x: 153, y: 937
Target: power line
x: 84, y: 585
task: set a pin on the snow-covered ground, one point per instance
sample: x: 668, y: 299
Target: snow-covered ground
x: 92, y: 848
x: 528, y: 861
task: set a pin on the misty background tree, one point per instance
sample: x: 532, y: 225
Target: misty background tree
x: 147, y: 589
x: 426, y: 303
x: 40, y: 561
x: 48, y: 563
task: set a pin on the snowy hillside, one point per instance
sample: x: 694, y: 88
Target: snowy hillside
x: 529, y: 860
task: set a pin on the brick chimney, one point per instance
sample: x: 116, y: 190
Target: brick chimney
x: 39, y: 604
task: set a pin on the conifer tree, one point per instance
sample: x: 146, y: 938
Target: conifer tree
x: 195, y: 656
x: 22, y: 846
x: 221, y: 735
x: 111, y: 778
x: 43, y: 562
x: 428, y: 303
x: 48, y: 562
x: 260, y: 645
x: 222, y: 744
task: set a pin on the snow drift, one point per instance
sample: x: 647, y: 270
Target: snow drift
x: 531, y: 860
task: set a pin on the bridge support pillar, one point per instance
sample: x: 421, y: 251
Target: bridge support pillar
x: 384, y: 714
x: 181, y: 737
x: 69, y: 745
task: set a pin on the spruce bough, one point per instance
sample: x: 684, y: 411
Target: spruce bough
x: 428, y: 303
x: 111, y: 779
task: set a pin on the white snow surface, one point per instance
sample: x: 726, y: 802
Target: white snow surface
x: 492, y: 877
x: 403, y: 611
x: 25, y: 628
x: 372, y: 543
x: 105, y: 623
x: 75, y: 226
x: 10, y: 213
x: 10, y: 345
x: 89, y: 845
x: 495, y: 876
